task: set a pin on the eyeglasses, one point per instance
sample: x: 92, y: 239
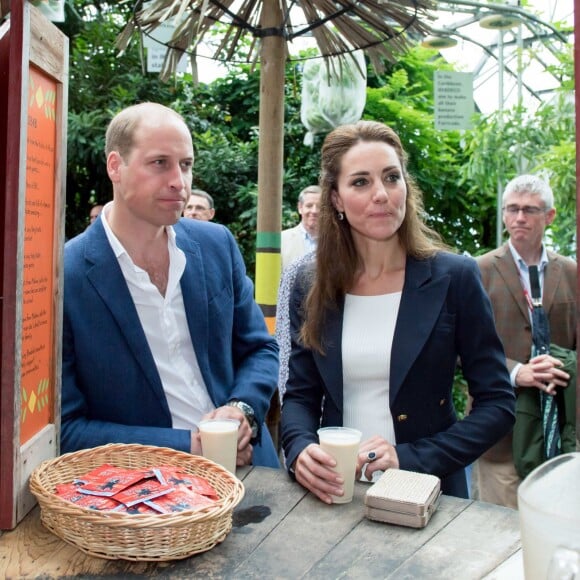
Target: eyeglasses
x: 526, y: 209
x: 197, y: 208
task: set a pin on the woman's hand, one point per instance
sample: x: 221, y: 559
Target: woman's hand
x: 313, y: 469
x: 379, y: 454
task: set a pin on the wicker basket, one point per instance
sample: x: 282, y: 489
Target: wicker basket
x: 142, y: 537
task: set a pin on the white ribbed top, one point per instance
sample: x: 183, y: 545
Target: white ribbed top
x: 367, y: 339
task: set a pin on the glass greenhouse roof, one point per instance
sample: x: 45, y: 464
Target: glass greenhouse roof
x: 510, y: 49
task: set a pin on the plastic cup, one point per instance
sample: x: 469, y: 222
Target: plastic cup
x: 342, y: 443
x: 219, y: 441
x: 549, y: 511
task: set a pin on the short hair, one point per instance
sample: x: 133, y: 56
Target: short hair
x: 120, y: 133
x: 309, y: 189
x: 204, y: 194
x: 533, y: 185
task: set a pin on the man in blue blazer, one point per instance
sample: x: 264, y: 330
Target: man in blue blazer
x: 160, y: 325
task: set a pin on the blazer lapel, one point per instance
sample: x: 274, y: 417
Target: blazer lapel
x: 421, y: 302
x: 196, y: 300
x: 108, y: 281
x: 508, y: 270
x: 552, y: 276
x: 330, y: 365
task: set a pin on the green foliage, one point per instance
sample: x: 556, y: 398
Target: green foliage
x: 458, y: 172
x: 559, y: 162
x: 100, y: 84
x: 508, y: 143
x: 460, y: 393
x: 405, y: 102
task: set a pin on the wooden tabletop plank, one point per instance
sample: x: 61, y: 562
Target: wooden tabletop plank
x: 306, y: 535
x: 270, y: 495
x: 378, y: 549
x: 511, y: 569
x: 470, y: 546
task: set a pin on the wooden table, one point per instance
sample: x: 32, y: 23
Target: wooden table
x: 280, y: 531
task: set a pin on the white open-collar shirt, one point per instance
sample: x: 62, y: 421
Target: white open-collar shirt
x: 165, y: 325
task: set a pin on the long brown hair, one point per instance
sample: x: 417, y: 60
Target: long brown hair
x: 337, y: 260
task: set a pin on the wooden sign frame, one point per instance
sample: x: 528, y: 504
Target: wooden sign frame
x: 34, y: 89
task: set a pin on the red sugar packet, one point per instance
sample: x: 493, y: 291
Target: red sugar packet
x: 109, y: 480
x: 137, y: 509
x: 171, y: 475
x: 69, y: 491
x: 93, y: 473
x: 96, y: 502
x: 179, y: 500
x: 143, y: 491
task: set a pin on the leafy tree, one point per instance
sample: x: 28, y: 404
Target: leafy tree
x: 542, y: 142
x: 404, y: 100
x: 457, y: 171
x: 100, y: 84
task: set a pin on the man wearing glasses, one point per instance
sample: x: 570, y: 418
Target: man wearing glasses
x: 528, y: 208
x: 199, y: 206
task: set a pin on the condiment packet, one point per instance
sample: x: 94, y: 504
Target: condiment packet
x: 172, y: 475
x: 142, y: 492
x: 109, y: 480
x: 96, y: 502
x: 180, y: 499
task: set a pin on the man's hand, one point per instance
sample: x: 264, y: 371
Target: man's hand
x: 245, y: 450
x: 543, y: 372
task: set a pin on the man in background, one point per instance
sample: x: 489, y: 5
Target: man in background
x: 94, y: 213
x: 199, y: 206
x: 528, y: 208
x: 160, y: 326
x: 301, y: 239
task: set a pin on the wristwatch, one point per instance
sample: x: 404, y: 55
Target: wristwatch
x: 248, y: 412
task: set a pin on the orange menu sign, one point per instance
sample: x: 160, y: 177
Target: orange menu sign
x: 37, y: 381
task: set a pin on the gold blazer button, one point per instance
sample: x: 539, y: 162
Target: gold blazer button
x: 402, y: 417
x: 442, y: 402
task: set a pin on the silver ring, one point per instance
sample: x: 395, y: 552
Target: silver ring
x: 371, y: 456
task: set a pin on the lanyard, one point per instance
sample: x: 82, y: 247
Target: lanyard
x: 536, y: 298
x: 535, y: 286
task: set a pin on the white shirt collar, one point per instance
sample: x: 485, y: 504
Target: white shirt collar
x: 116, y: 245
x: 520, y: 261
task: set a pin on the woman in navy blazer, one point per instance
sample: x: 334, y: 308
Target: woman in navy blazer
x: 373, y: 245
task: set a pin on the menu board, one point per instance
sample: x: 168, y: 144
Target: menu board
x: 33, y: 110
x: 37, y: 287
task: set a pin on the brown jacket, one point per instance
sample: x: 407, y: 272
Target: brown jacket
x: 501, y: 280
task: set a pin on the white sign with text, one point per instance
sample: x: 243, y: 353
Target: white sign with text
x: 454, y: 105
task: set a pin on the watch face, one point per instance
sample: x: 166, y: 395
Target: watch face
x: 247, y: 410
x: 249, y: 414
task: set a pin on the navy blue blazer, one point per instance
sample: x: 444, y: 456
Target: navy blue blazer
x: 444, y: 314
x: 111, y: 389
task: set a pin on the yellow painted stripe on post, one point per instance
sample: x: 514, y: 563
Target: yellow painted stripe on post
x: 268, y: 268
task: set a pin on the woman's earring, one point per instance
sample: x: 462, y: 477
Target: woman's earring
x: 340, y: 215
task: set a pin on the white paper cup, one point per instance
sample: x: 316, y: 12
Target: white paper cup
x: 342, y: 443
x: 219, y: 441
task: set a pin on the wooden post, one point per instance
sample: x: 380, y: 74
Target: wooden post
x: 33, y: 108
x: 270, y: 161
x: 270, y: 171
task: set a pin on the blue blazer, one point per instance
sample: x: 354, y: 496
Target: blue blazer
x: 111, y: 389
x: 444, y: 314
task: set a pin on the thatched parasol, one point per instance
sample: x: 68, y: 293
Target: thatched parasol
x: 380, y: 27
